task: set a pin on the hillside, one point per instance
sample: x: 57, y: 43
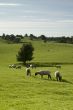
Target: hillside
x: 19, y: 92
x: 43, y: 52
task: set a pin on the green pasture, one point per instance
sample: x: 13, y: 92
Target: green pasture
x: 19, y: 92
x: 53, y: 52
x: 43, y: 52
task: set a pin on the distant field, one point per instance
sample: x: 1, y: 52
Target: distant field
x: 43, y: 52
x: 19, y: 92
x: 53, y: 52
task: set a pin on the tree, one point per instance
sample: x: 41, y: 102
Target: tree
x: 17, y: 40
x: 26, y: 35
x: 32, y: 37
x: 25, y: 53
x: 3, y: 36
x: 43, y: 37
x: 72, y: 39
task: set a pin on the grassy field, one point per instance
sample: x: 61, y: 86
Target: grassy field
x: 19, y: 92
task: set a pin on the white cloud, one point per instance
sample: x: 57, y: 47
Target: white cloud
x: 9, y: 4
x: 56, y: 28
x: 65, y: 21
x: 27, y: 24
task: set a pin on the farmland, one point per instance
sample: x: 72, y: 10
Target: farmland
x: 19, y: 92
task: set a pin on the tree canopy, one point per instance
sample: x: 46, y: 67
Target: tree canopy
x: 25, y: 53
x: 20, y: 38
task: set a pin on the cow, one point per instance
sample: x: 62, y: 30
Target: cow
x: 58, y: 76
x: 28, y: 71
x: 43, y: 73
x: 18, y: 67
x: 12, y: 66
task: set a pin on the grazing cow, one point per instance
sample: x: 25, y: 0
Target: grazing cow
x: 43, y: 73
x: 58, y: 76
x: 28, y: 72
x: 18, y: 67
x: 12, y: 66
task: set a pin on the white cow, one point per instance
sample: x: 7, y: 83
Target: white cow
x: 28, y: 71
x: 58, y: 76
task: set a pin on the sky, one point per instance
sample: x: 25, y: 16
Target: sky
x: 52, y: 18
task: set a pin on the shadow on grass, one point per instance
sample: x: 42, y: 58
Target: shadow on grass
x: 63, y: 80
x: 66, y: 81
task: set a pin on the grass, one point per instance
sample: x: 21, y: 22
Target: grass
x: 43, y: 52
x: 54, y: 52
x: 19, y: 92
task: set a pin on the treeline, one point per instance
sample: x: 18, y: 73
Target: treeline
x: 61, y: 39
x: 18, y: 38
x: 12, y: 38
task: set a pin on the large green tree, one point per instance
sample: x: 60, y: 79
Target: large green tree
x: 25, y: 53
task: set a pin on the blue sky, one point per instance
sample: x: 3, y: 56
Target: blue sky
x: 48, y: 17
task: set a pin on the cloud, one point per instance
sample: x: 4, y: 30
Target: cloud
x: 27, y: 24
x: 9, y: 4
x: 52, y: 28
x: 65, y: 21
